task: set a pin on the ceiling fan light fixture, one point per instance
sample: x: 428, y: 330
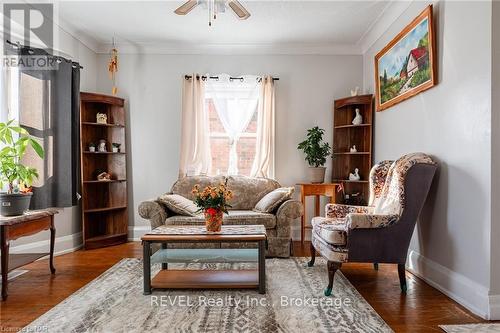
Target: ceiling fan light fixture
x: 214, y: 7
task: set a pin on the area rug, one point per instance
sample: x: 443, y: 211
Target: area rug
x: 294, y: 302
x: 471, y: 328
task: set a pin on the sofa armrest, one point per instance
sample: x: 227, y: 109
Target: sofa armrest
x: 367, y: 221
x: 338, y: 211
x: 287, y: 212
x: 154, y: 212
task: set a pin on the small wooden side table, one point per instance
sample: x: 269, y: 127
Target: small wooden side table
x: 317, y: 190
x: 14, y: 227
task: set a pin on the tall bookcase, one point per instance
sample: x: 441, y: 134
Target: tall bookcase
x: 104, y: 202
x: 345, y: 135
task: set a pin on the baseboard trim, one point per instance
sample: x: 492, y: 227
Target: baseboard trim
x: 494, y: 307
x: 461, y: 289
x: 136, y: 232
x: 63, y: 245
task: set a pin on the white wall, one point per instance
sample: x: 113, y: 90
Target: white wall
x: 452, y: 122
x: 68, y: 221
x: 151, y: 85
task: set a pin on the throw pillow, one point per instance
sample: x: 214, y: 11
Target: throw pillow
x: 273, y: 199
x: 178, y: 204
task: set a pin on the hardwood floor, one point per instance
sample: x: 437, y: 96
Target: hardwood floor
x: 421, y: 310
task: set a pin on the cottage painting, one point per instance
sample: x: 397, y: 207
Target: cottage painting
x: 405, y: 67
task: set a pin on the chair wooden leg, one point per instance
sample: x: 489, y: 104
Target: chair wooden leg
x: 332, y: 268
x: 402, y: 277
x: 375, y: 266
x: 313, y: 256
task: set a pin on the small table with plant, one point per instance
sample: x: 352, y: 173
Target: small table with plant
x: 17, y: 178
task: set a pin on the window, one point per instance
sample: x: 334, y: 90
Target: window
x: 44, y: 102
x: 232, y: 111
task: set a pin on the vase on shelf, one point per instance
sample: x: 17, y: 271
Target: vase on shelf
x: 213, y: 219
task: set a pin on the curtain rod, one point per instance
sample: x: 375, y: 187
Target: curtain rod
x: 187, y: 77
x: 18, y: 45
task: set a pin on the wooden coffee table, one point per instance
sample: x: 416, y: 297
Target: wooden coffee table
x: 203, y: 279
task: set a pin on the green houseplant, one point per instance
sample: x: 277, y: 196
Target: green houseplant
x: 316, y: 152
x: 18, y: 177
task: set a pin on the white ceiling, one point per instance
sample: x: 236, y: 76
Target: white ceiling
x: 331, y: 24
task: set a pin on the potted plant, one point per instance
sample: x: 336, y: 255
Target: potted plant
x: 316, y: 153
x: 92, y: 147
x: 213, y: 201
x: 13, y: 172
x: 115, y: 147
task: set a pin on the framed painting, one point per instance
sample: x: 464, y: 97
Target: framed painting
x: 407, y: 65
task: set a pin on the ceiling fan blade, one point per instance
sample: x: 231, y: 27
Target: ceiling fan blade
x: 186, y: 8
x: 238, y: 9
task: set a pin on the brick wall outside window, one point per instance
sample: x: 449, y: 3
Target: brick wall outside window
x: 219, y: 144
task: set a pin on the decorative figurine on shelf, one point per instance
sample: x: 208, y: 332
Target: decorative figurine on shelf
x: 355, y: 92
x: 104, y: 177
x: 92, y: 147
x: 102, y: 146
x: 353, y: 149
x: 358, y: 120
x: 355, y: 175
x: 115, y: 147
x: 101, y: 118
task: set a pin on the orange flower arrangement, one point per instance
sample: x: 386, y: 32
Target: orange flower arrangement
x: 213, y: 201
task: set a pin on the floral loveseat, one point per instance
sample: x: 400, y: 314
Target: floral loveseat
x: 247, y: 193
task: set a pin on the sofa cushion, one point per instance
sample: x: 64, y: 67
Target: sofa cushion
x: 331, y: 230
x: 248, y: 191
x: 185, y: 185
x: 235, y: 217
x: 178, y: 204
x: 271, y: 201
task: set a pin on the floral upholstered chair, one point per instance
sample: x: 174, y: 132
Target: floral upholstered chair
x: 381, y: 231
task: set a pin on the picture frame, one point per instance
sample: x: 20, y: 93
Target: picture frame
x: 407, y: 66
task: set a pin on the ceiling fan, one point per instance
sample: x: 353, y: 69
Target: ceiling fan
x: 214, y: 7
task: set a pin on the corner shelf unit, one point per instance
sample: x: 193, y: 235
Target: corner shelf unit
x: 104, y: 203
x: 345, y: 135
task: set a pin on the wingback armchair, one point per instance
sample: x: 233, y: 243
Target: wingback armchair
x: 381, y: 231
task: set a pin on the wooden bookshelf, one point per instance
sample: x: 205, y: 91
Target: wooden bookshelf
x: 104, y: 203
x: 345, y: 135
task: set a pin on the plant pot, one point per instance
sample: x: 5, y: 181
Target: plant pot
x: 14, y: 204
x: 213, y: 220
x: 317, y: 175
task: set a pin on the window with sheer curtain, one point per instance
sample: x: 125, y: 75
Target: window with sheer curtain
x: 227, y: 126
x: 232, y: 113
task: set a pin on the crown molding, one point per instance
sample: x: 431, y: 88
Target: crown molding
x: 232, y: 49
x: 392, y: 11
x: 90, y: 42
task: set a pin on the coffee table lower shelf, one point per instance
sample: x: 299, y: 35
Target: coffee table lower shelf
x: 206, y: 279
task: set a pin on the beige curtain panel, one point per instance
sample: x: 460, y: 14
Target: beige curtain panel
x: 195, y: 140
x: 263, y: 165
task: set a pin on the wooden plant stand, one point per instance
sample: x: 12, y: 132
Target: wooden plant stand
x: 12, y: 228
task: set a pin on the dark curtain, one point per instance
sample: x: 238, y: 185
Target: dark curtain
x: 49, y: 103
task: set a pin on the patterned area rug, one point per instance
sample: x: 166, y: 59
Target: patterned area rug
x: 294, y: 303
x: 471, y: 328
